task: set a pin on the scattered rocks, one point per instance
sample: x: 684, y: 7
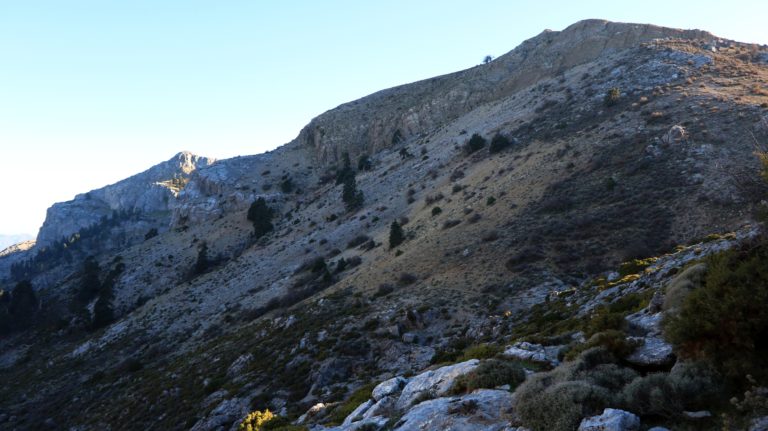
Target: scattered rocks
x: 611, y: 420
x: 534, y: 352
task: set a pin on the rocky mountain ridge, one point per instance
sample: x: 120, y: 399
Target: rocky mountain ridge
x: 148, y: 193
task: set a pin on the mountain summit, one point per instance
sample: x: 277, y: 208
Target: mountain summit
x: 412, y: 255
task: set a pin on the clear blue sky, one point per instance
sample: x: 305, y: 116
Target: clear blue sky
x: 94, y: 91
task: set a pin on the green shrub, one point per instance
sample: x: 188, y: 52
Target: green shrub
x: 686, y: 387
x: 559, y: 399
x: 281, y: 423
x: 436, y: 211
x: 396, y: 235
x: 260, y: 214
x: 682, y: 285
x: 475, y: 143
x: 560, y: 406
x: 724, y: 321
x: 612, y: 96
x: 479, y: 351
x: 499, y: 143
x: 490, y: 374
x: 612, y: 316
x: 352, y: 197
x: 364, y: 163
x: 635, y: 266
x: 611, y: 340
x: 610, y: 376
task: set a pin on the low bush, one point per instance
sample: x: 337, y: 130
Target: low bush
x: 612, y: 340
x: 406, y: 279
x: 635, y: 266
x: 475, y: 143
x: 612, y: 96
x: 682, y: 285
x: 257, y: 421
x: 724, y: 321
x: 383, y: 290
x: 490, y: 374
x: 479, y: 351
x: 499, y: 143
x: 358, y: 241
x: 260, y: 214
x: 396, y: 235
x: 561, y: 406
x: 612, y: 316
x: 451, y: 223
x: 686, y: 387
x: 557, y: 400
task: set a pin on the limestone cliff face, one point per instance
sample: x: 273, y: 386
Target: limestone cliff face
x: 148, y: 194
x: 387, y: 117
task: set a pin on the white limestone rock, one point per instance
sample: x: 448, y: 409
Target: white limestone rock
x: 433, y: 383
x: 388, y: 387
x: 482, y: 410
x: 611, y: 420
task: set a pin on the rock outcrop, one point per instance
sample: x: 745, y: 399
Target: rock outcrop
x: 148, y: 194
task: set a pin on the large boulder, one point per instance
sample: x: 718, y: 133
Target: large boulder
x: 482, y: 410
x: 653, y: 352
x: 611, y: 420
x: 433, y: 383
x: 357, y: 413
x: 389, y: 387
x: 675, y: 135
x: 227, y: 413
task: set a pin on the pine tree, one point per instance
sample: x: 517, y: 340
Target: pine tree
x: 89, y: 281
x: 202, y: 263
x: 352, y: 197
x: 396, y: 235
x: 260, y: 214
x: 342, y: 176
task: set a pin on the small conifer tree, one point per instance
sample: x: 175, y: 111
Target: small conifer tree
x: 260, y: 214
x: 396, y: 235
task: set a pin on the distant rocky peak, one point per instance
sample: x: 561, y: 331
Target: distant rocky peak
x: 147, y: 194
x: 188, y: 161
